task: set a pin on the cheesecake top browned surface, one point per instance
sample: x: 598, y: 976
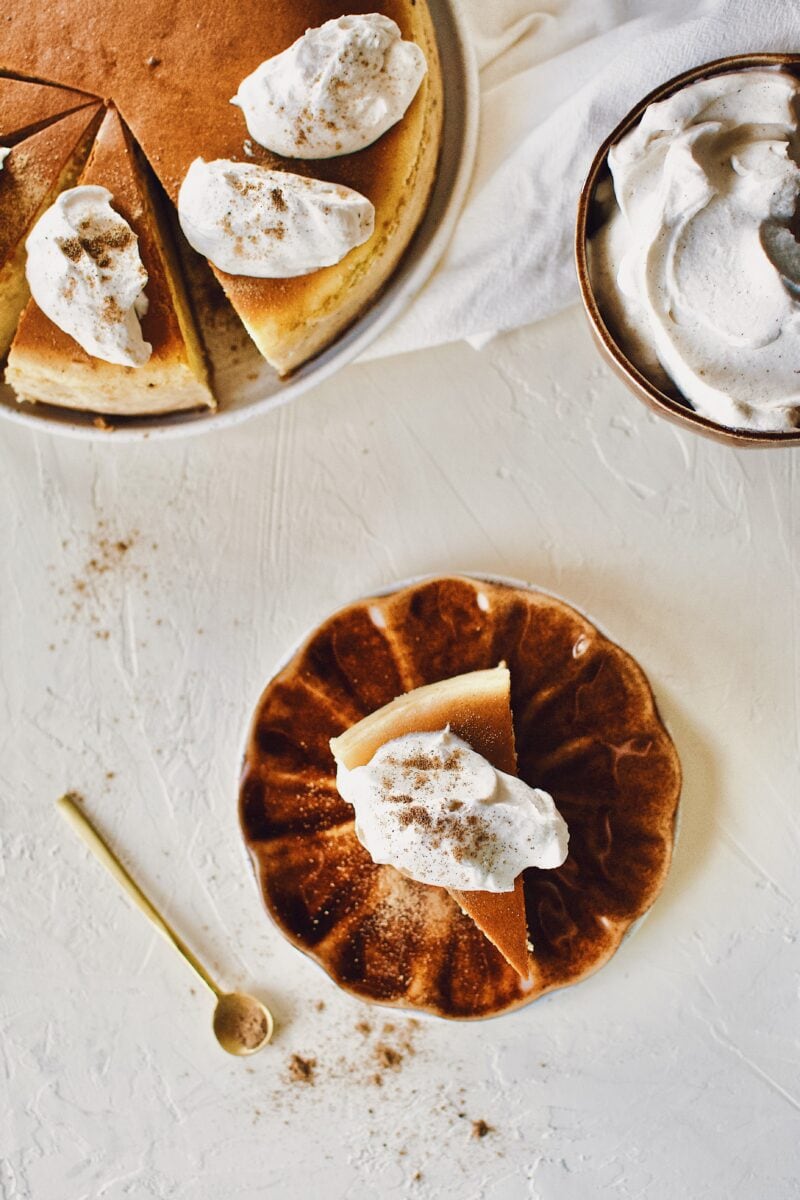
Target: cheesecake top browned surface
x: 587, y: 730
x: 31, y: 173
x: 172, y: 66
x: 26, y: 107
x: 113, y: 164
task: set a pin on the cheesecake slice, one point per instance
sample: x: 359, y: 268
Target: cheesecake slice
x: 47, y: 365
x: 477, y: 707
x: 26, y: 107
x: 32, y: 175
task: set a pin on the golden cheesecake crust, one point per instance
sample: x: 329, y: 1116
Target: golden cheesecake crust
x: 171, y: 69
x: 47, y: 365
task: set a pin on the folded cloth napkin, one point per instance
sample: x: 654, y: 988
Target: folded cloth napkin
x: 555, y: 78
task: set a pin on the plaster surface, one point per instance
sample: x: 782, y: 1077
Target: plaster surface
x: 147, y: 591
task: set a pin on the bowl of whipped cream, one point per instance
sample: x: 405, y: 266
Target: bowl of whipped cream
x: 687, y: 249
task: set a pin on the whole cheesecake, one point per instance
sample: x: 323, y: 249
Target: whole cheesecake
x: 170, y: 70
x: 586, y: 729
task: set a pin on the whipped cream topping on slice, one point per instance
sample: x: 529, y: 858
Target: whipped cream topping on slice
x: 248, y: 220
x: 4, y: 153
x: 86, y: 275
x: 702, y: 251
x: 335, y: 90
x: 431, y: 806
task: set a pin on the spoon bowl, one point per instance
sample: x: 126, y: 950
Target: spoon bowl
x: 242, y: 1024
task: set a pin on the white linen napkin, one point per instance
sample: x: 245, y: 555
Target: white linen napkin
x: 555, y: 78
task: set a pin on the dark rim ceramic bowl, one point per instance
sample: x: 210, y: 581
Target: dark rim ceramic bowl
x: 589, y: 219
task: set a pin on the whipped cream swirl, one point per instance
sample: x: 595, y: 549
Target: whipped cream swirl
x: 431, y: 806
x: 335, y: 90
x: 86, y: 275
x: 705, y: 263
x: 249, y: 220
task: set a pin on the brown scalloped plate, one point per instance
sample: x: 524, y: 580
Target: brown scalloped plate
x: 587, y: 730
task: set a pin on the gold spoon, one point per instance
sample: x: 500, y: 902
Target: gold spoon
x: 242, y: 1024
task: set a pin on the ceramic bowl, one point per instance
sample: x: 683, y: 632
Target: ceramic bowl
x: 591, y: 214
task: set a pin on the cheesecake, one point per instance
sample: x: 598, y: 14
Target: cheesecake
x: 171, y: 71
x: 46, y: 365
x: 585, y: 729
x: 26, y: 107
x: 34, y: 172
x: 476, y: 707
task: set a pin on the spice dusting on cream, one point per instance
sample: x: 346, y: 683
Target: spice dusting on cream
x: 85, y: 273
x: 431, y: 806
x: 335, y: 90
x: 249, y: 220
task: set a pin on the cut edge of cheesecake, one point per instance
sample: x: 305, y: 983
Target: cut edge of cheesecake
x: 57, y: 153
x: 46, y: 365
x: 477, y: 707
x: 26, y: 106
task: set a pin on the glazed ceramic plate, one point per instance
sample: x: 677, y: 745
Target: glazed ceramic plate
x: 593, y: 212
x: 245, y: 384
x: 587, y: 730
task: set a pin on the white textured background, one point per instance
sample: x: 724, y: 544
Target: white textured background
x: 673, y: 1073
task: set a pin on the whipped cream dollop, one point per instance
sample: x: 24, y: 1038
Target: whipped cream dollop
x: 333, y: 91
x: 249, y: 220
x: 86, y: 275
x: 4, y: 153
x: 700, y: 252
x: 431, y: 806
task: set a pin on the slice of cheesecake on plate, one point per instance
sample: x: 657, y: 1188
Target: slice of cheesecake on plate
x: 31, y: 177
x: 477, y: 707
x: 26, y: 107
x: 47, y: 365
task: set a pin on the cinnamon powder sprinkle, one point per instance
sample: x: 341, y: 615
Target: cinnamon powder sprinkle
x: 388, y: 1057
x: 301, y: 1070
x: 99, y: 246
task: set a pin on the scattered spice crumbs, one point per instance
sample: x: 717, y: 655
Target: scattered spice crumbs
x: 301, y: 1070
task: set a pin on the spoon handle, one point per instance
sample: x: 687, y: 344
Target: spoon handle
x: 84, y: 828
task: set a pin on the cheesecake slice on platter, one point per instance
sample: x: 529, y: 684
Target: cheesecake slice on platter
x: 32, y: 175
x: 47, y: 365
